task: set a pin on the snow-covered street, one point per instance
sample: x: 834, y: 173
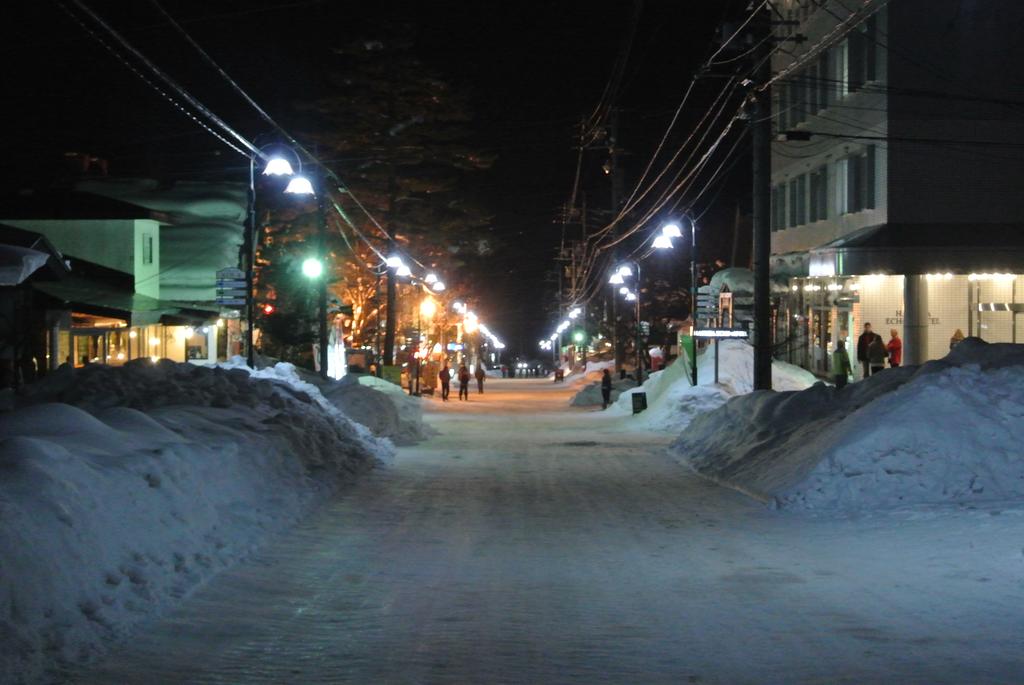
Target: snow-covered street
x: 531, y: 542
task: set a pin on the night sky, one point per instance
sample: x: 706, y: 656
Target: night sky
x: 533, y: 69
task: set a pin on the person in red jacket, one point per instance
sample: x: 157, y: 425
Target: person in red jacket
x: 895, y: 348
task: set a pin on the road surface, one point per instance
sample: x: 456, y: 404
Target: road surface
x: 531, y: 543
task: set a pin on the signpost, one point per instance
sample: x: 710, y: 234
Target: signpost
x: 717, y: 334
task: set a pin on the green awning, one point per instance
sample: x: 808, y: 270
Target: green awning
x: 92, y: 297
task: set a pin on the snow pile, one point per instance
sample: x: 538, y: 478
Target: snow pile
x: 122, y: 489
x: 949, y: 431
x: 381, y: 406
x: 673, y: 402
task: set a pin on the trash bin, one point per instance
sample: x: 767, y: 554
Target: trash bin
x: 639, y: 402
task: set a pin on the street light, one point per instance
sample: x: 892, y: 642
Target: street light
x: 403, y: 270
x: 674, y: 231
x: 312, y: 268
x: 662, y: 242
x: 671, y: 231
x: 632, y: 296
x: 278, y: 166
x: 438, y: 286
x: 300, y: 185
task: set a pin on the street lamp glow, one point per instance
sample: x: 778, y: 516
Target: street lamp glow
x: 671, y: 231
x: 578, y: 336
x: 662, y: 242
x: 574, y: 313
x: 616, y: 279
x: 554, y: 337
x: 623, y: 290
x: 404, y: 270
x: 393, y: 262
x: 630, y: 297
x: 430, y: 278
x: 625, y: 270
x: 428, y: 307
x: 300, y: 185
x: 312, y: 267
x: 278, y: 166
x: 438, y: 286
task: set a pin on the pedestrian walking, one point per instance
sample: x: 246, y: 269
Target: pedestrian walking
x: 464, y: 383
x: 841, y: 369
x: 480, y: 375
x: 863, y: 341
x: 895, y: 348
x: 877, y: 354
x: 958, y: 337
x: 446, y: 382
x: 606, y: 388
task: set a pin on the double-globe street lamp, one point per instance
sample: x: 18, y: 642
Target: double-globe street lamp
x: 618, y: 278
x: 663, y: 241
x: 277, y: 165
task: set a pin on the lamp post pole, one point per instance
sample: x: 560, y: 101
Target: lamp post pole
x: 322, y: 286
x: 693, y: 295
x: 249, y: 248
x: 639, y: 332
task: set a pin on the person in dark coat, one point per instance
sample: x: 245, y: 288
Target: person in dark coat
x: 877, y: 355
x: 606, y: 388
x: 446, y: 382
x: 480, y: 375
x: 863, y: 341
x: 464, y: 383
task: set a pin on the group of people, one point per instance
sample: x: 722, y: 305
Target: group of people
x: 463, y: 376
x: 872, y: 353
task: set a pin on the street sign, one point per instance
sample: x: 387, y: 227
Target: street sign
x: 720, y: 333
x: 231, y: 274
x: 232, y: 287
x: 230, y: 302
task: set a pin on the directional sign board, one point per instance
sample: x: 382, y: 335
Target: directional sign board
x: 720, y: 333
x: 232, y: 287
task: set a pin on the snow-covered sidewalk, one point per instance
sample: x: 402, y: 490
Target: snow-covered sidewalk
x: 534, y: 543
x: 122, y: 490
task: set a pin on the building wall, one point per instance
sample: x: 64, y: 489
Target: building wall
x: 842, y: 109
x: 118, y: 244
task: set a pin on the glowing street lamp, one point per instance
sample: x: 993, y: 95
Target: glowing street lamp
x: 403, y: 270
x: 312, y: 268
x: 616, y: 279
x: 438, y: 286
x: 430, y: 278
x: 300, y: 185
x: 662, y: 242
x: 671, y: 231
x: 278, y: 166
x: 393, y: 262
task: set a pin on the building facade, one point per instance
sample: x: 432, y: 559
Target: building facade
x: 896, y: 170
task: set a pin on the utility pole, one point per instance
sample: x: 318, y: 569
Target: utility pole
x: 392, y: 296
x: 761, y: 135
x: 618, y: 348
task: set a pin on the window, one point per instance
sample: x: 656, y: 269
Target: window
x: 147, y: 248
x: 856, y: 182
x: 819, y: 194
x: 861, y: 55
x: 779, y: 207
x: 825, y: 81
x: 798, y: 200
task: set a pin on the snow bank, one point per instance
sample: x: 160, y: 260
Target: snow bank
x: 381, y: 406
x: 949, y: 431
x: 122, y: 489
x: 673, y: 402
